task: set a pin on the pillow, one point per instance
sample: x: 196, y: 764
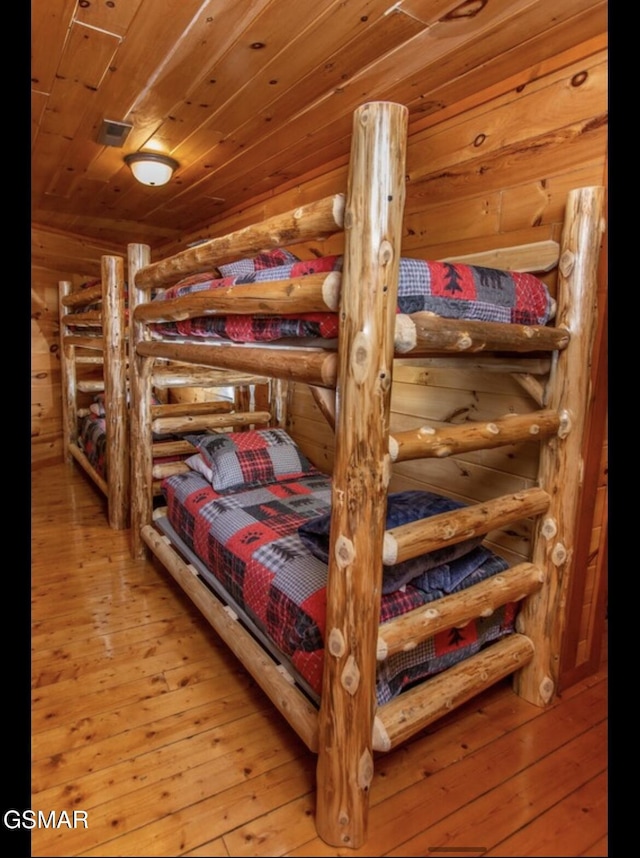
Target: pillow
x: 402, y: 507
x: 242, y: 460
x: 267, y: 259
x: 198, y: 464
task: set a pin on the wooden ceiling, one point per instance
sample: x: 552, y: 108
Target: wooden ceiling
x: 249, y: 95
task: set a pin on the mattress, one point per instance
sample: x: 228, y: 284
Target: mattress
x: 449, y: 290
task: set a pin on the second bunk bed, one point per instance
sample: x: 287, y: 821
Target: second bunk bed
x: 326, y: 586
x: 94, y: 336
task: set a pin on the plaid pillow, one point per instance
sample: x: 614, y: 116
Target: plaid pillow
x: 242, y: 460
x: 268, y: 259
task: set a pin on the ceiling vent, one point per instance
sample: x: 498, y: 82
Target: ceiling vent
x: 113, y: 133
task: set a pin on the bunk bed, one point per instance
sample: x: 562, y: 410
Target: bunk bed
x: 93, y: 355
x: 95, y: 392
x: 215, y: 534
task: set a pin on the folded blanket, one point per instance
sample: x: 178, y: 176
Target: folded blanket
x: 450, y: 290
x: 402, y: 508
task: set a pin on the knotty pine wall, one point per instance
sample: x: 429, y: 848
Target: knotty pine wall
x: 493, y: 170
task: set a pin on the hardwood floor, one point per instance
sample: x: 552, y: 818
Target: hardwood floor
x: 146, y: 726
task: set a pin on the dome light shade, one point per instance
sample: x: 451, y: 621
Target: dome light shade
x: 150, y: 168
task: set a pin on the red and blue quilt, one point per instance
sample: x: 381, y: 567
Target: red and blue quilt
x: 450, y: 290
x: 249, y: 541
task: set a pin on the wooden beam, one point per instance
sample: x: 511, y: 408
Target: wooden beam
x: 427, y: 441
x: 313, y: 221
x: 405, y: 632
x: 313, y: 293
x: 447, y: 528
x: 202, y: 422
x: 312, y: 367
x: 425, y: 332
x: 416, y: 708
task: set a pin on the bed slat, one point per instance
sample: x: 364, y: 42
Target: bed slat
x: 456, y: 610
x: 418, y: 707
x: 426, y: 534
x: 427, y: 441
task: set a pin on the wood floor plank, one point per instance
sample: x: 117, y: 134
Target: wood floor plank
x: 109, y: 739
x: 570, y: 827
x: 442, y: 791
x: 515, y: 802
x: 597, y: 850
x: 142, y: 716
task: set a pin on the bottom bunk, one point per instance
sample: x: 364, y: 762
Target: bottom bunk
x: 246, y: 531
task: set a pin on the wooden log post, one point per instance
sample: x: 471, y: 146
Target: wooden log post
x: 68, y: 377
x: 141, y: 370
x: 373, y: 224
x: 114, y: 332
x: 561, y: 469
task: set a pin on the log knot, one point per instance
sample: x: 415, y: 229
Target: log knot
x: 385, y: 254
x: 336, y: 643
x: 344, y: 551
x: 547, y: 687
x: 360, y: 357
x: 365, y: 770
x: 350, y: 677
x: 565, y: 424
x: 549, y: 528
x: 559, y: 554
x: 566, y: 262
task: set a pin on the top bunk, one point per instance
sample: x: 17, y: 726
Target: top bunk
x: 248, y: 289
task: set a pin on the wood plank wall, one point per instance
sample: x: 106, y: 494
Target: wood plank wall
x: 495, y: 169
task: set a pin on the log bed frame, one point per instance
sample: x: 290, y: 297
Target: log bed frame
x: 349, y: 729
x: 104, y: 344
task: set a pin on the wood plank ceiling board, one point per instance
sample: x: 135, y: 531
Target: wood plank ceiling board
x: 254, y: 96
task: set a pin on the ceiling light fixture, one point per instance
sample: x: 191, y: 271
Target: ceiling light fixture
x: 150, y: 168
